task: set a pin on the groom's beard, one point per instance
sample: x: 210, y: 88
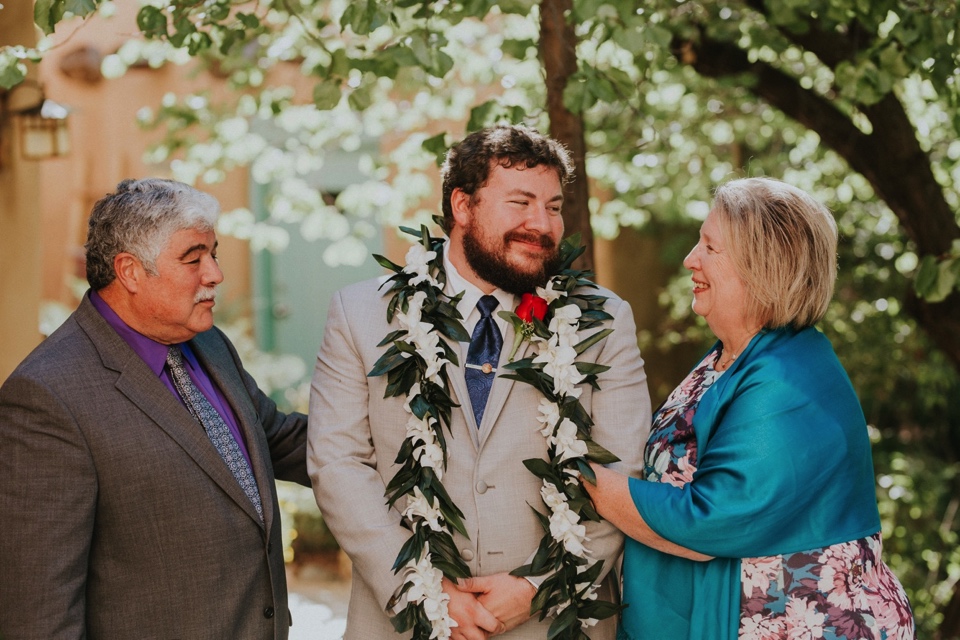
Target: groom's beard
x: 488, y: 257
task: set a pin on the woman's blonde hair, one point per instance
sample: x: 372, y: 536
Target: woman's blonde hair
x: 784, y: 246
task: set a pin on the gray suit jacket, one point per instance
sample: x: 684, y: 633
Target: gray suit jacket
x: 120, y: 520
x: 355, y: 435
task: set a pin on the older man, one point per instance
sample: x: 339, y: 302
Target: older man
x: 137, y: 457
x: 502, y: 196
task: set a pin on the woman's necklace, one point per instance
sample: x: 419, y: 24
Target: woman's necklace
x: 728, y: 357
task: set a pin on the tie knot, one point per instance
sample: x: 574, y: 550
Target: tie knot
x: 486, y: 305
x: 174, y: 356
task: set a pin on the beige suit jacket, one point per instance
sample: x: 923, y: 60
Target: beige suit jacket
x: 355, y: 434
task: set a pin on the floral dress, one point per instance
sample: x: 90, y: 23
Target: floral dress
x: 843, y: 591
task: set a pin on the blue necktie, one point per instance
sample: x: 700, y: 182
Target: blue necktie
x: 483, y: 356
x: 213, y: 423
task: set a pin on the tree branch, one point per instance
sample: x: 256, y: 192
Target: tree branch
x: 890, y: 157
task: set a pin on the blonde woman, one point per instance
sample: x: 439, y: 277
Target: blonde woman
x: 756, y: 516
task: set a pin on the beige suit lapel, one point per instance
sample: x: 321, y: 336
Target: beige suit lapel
x: 458, y: 388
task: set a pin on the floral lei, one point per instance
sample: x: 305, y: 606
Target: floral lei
x: 415, y: 365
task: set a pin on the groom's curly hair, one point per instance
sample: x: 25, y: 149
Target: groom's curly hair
x: 467, y: 165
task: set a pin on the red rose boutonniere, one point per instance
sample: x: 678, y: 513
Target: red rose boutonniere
x: 531, y: 306
x: 529, y: 313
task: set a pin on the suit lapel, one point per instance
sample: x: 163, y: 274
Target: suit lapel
x: 458, y: 388
x: 145, y: 390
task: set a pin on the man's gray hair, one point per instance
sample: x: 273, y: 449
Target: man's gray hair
x: 139, y: 219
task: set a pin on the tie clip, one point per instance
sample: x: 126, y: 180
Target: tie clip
x: 486, y: 367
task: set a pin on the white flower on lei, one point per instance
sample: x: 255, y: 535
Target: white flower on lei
x: 565, y: 527
x: 587, y: 591
x: 418, y: 263
x: 566, y: 441
x: 427, y: 449
x: 558, y: 359
x: 419, y: 507
x: 550, y: 294
x: 426, y: 588
x: 548, y: 418
x: 552, y: 497
x: 423, y: 337
x: 565, y: 320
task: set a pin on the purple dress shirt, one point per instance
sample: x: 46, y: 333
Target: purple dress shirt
x: 155, y: 355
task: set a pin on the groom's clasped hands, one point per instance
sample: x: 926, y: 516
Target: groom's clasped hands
x: 488, y: 605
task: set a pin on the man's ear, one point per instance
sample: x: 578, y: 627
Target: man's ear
x: 460, y: 206
x: 129, y: 271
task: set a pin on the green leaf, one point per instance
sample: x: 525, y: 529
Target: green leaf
x: 358, y: 17
x: 585, y: 344
x: 520, y: 7
x: 387, y: 361
x: 249, y: 20
x: 591, y: 369
x: 599, y: 454
x: 564, y: 621
x: 542, y: 469
x: 12, y: 71
x: 437, y: 145
x: 152, y: 22
x: 586, y: 470
x: 481, y: 115
x: 80, y: 8
x: 46, y: 14
x: 517, y: 48
x: 326, y: 96
x: 360, y: 98
x: 926, y: 279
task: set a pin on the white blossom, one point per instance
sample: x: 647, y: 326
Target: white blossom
x: 427, y: 450
x: 565, y: 528
x: 552, y: 497
x: 426, y: 589
x: 418, y: 263
x: 565, y: 320
x: 559, y: 363
x: 567, y: 443
x: 428, y: 510
x: 423, y: 337
x: 550, y: 294
x: 548, y: 418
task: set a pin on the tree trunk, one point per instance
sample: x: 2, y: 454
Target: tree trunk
x: 558, y: 50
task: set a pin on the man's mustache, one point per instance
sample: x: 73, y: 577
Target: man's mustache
x: 544, y: 241
x: 205, y: 294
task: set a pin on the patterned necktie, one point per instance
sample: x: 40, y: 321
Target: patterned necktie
x: 213, y: 423
x: 483, y: 356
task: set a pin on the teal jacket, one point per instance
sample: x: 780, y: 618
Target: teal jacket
x: 783, y: 465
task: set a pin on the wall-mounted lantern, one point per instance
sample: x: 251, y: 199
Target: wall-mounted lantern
x: 42, y: 123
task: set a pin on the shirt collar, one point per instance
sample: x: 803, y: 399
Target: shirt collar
x: 150, y: 351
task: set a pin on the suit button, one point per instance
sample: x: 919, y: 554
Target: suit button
x: 482, y: 487
x: 467, y: 554
x: 269, y: 547
x: 268, y: 612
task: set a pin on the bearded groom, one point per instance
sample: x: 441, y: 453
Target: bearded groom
x: 502, y: 197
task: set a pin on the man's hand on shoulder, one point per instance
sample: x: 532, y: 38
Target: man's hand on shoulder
x: 505, y: 596
x: 474, y: 621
